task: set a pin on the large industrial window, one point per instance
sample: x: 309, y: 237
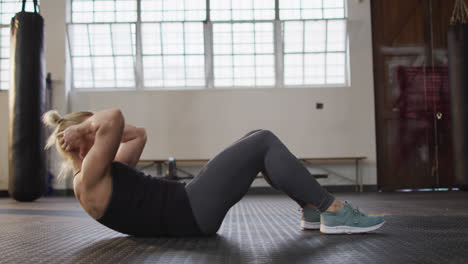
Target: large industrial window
x: 193, y: 44
x: 8, y: 9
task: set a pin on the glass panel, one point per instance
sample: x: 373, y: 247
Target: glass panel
x: 194, y: 39
x: 290, y: 9
x: 264, y: 9
x: 223, y: 70
x: 5, y: 44
x: 151, y: 38
x: 153, y: 71
x: 125, y: 71
x: 293, y: 69
x: 264, y: 38
x: 336, y: 40
x: 85, y: 11
x: 185, y: 40
x: 314, y: 52
x: 235, y: 59
x: 293, y: 36
x: 8, y: 9
x: 243, y: 38
x: 335, y: 68
x: 222, y: 38
x: 104, y: 72
x: 311, y: 9
x: 314, y: 70
x: 225, y: 10
x: 122, y: 36
x: 174, y: 71
x: 195, y: 70
x: 100, y: 39
x: 315, y: 36
x: 173, y: 38
x: 173, y: 10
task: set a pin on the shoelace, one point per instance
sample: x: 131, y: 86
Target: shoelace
x: 356, y: 212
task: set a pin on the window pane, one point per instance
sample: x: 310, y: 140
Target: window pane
x: 153, y: 71
x: 222, y: 38
x: 336, y: 35
x: 151, y: 38
x: 315, y: 36
x: 314, y: 70
x: 125, y: 71
x: 103, y: 55
x: 194, y: 39
x: 243, y: 38
x: 5, y: 44
x: 100, y: 39
x: 174, y: 71
x: 264, y: 9
x: 173, y: 38
x: 293, y: 36
x: 335, y: 68
x: 8, y: 9
x: 223, y: 10
x: 236, y: 62
x: 311, y: 9
x: 173, y: 10
x: 195, y: 69
x: 314, y: 52
x: 264, y: 38
x: 122, y: 36
x: 86, y: 11
x: 290, y: 9
x: 79, y: 39
x: 104, y: 72
x: 293, y: 69
x: 181, y: 48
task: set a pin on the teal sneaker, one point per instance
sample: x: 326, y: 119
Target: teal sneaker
x: 310, y: 218
x: 349, y: 220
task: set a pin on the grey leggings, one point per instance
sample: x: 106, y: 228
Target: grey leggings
x: 226, y: 178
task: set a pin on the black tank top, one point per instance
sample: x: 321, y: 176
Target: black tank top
x: 142, y: 205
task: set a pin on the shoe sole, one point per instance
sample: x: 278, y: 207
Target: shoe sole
x: 310, y: 225
x: 348, y: 229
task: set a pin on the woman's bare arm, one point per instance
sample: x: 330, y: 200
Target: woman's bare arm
x: 131, y: 146
x: 107, y: 128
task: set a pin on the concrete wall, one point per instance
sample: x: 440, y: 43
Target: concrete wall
x: 199, y: 123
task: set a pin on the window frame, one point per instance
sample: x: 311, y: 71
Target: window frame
x: 28, y: 8
x: 278, y: 53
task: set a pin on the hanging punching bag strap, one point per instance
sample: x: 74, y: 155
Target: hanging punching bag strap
x: 459, y: 13
x: 35, y: 6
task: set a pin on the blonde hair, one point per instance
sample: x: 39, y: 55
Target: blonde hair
x: 54, y: 120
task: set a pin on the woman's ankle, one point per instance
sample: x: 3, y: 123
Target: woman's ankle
x: 335, y: 206
x: 308, y: 205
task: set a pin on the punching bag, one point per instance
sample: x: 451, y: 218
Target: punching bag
x: 457, y: 44
x: 27, y: 167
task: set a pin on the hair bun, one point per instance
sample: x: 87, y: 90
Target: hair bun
x: 51, y: 118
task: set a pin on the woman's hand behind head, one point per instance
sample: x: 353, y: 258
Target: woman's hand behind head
x: 75, y: 139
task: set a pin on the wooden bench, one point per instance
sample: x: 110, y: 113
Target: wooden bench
x: 171, y: 165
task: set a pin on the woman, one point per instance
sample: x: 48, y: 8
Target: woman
x: 102, y: 151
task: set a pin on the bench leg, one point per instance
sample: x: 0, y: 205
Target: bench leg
x: 359, y: 186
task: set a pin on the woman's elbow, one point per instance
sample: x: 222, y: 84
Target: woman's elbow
x: 117, y: 117
x: 142, y: 134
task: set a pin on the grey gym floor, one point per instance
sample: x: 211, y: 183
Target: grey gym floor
x: 421, y: 228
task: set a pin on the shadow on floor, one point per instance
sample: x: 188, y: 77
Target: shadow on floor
x: 213, y: 249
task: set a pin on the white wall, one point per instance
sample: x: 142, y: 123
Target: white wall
x: 199, y: 123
